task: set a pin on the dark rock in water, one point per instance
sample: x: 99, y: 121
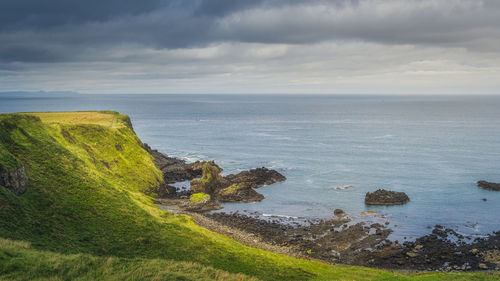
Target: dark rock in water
x: 386, y: 197
x: 211, y: 181
x: 484, y: 199
x: 256, y: 177
x: 339, y: 212
x: 234, y: 188
x: 239, y: 192
x: 14, y: 179
x: 489, y: 185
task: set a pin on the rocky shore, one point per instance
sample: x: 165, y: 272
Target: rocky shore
x: 206, y: 182
x: 339, y: 239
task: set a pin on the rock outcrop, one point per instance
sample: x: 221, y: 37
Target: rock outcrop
x: 339, y: 213
x: 239, y: 192
x: 232, y: 188
x: 174, y: 170
x: 256, y: 178
x: 386, y: 197
x: 201, y: 202
x: 489, y: 185
x: 211, y: 181
x: 14, y: 179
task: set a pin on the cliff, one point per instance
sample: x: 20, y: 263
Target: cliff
x: 79, y: 189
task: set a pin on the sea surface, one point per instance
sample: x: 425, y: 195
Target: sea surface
x: 434, y: 148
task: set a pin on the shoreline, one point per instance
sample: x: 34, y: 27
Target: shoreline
x: 339, y: 239
x: 363, y: 244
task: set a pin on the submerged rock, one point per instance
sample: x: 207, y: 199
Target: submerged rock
x: 386, y: 197
x: 489, y: 185
x: 241, y: 192
x: 256, y: 178
x: 14, y: 179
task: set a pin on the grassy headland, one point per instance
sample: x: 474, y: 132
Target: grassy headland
x: 86, y: 214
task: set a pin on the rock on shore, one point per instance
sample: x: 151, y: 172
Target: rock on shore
x: 201, y: 202
x: 174, y: 170
x: 232, y: 188
x: 489, y: 185
x: 337, y: 241
x: 386, y: 197
x: 211, y: 181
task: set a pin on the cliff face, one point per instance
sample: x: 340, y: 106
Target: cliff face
x: 89, y: 177
x: 15, y: 180
x: 83, y: 180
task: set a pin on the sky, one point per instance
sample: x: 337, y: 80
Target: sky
x: 251, y: 46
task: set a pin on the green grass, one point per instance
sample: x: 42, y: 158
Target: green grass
x: 18, y: 261
x: 231, y: 189
x: 104, y: 118
x: 197, y: 197
x: 86, y: 204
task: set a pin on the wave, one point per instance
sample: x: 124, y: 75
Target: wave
x: 279, y: 216
x: 343, y: 187
x: 384, y: 137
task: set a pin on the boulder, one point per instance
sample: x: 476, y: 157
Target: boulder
x: 386, y: 197
x: 14, y: 179
x: 489, y: 185
x: 239, y: 192
x: 339, y: 212
x: 211, y: 181
x: 256, y: 178
x: 163, y: 190
x: 201, y: 202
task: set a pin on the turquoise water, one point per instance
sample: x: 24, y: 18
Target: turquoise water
x: 434, y: 148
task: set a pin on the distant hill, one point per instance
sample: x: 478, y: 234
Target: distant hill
x: 39, y: 93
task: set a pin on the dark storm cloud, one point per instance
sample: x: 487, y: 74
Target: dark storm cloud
x: 15, y: 14
x: 65, y: 30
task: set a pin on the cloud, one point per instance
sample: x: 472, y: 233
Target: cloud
x: 274, y: 42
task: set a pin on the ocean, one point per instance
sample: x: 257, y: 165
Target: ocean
x: 434, y: 148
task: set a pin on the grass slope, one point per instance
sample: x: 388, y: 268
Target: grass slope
x: 86, y: 206
x: 19, y: 262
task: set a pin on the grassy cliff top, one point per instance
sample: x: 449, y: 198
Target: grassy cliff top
x: 106, y: 119
x: 86, y: 208
x: 111, y: 119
